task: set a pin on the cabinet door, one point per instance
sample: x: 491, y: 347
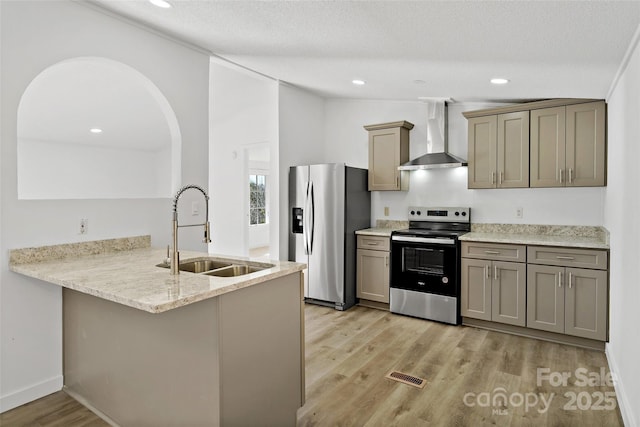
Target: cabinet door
x: 586, y: 162
x: 508, y: 299
x: 476, y: 289
x: 545, y: 298
x: 586, y: 303
x: 548, y: 147
x: 482, y: 152
x: 384, y: 158
x: 513, y: 150
x: 373, y: 275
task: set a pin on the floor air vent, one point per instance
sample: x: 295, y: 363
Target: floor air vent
x: 406, y: 379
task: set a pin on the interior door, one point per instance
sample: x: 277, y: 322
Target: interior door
x: 326, y: 233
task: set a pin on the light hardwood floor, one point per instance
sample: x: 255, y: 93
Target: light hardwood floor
x: 349, y: 353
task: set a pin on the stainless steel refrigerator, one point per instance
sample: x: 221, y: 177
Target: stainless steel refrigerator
x: 327, y: 204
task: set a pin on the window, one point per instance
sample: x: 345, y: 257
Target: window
x: 257, y: 199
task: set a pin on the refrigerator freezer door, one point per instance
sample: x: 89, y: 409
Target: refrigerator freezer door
x: 298, y: 185
x: 326, y: 236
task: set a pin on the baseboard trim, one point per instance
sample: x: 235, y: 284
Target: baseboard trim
x: 628, y: 417
x: 535, y: 333
x: 89, y: 406
x: 31, y: 393
x: 374, y: 304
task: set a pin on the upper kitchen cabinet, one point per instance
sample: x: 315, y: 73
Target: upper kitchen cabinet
x: 568, y: 146
x: 388, y: 149
x: 499, y: 151
x: 552, y: 143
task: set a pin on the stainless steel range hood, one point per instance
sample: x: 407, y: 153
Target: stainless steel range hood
x: 437, y: 130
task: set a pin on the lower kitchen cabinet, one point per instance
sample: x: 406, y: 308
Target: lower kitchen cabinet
x: 567, y: 300
x: 543, y: 288
x: 372, y: 283
x: 494, y: 291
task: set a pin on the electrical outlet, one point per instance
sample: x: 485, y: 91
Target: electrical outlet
x: 386, y: 211
x: 519, y: 212
x: 195, y: 208
x: 84, y: 226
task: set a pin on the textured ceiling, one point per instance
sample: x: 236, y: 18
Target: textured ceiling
x: 546, y: 49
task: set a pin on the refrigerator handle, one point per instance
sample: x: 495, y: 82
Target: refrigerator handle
x: 312, y: 214
x: 305, y: 219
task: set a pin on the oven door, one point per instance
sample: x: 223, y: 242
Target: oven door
x: 425, y: 265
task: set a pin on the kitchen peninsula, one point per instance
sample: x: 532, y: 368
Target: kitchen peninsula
x: 143, y: 347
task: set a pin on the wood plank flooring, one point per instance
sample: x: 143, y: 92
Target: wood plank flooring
x: 349, y: 353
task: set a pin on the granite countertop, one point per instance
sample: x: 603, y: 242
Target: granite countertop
x: 125, y: 271
x: 586, y: 237
x: 376, y: 231
x: 384, y: 228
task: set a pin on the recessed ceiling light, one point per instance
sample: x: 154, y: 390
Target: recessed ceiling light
x: 358, y: 82
x: 499, y: 81
x: 160, y: 3
x: 419, y: 82
x: 95, y: 130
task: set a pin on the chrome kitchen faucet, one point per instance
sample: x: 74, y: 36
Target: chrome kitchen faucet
x: 175, y: 255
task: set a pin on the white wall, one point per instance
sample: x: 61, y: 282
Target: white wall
x: 301, y: 128
x: 139, y: 174
x: 622, y: 210
x: 35, y: 35
x: 244, y: 113
x: 346, y: 140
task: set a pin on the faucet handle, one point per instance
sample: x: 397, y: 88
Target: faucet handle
x: 167, y: 260
x: 207, y: 233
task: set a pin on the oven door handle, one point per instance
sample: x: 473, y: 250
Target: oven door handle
x: 437, y: 241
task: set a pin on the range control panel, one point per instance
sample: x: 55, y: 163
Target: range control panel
x: 421, y: 213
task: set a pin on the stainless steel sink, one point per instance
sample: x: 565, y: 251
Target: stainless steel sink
x: 199, y: 265
x: 234, y: 270
x: 216, y: 267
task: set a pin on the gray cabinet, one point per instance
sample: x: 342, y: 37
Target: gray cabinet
x: 565, y: 297
x: 568, y: 146
x: 551, y: 143
x: 388, y: 149
x: 493, y: 289
x: 498, y: 151
x: 372, y: 267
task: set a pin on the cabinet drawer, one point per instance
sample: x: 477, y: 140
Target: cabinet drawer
x: 494, y: 251
x: 376, y: 243
x: 569, y: 257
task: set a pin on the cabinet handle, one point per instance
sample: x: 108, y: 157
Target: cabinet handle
x: 501, y: 177
x: 492, y: 252
x: 570, y: 175
x: 493, y: 177
x: 370, y: 243
x: 561, y: 173
x: 495, y: 272
x: 570, y: 278
x: 560, y: 279
x: 486, y: 268
x: 397, y: 181
x: 568, y: 258
x: 386, y: 261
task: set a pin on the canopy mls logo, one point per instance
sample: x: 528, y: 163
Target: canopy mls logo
x: 500, y: 401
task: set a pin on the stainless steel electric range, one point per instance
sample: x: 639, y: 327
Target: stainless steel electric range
x: 425, y: 264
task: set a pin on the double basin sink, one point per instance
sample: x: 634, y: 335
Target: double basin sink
x: 219, y: 268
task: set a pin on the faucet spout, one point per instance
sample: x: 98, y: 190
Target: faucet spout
x: 175, y: 254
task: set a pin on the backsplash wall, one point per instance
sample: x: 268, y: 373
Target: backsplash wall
x: 346, y: 141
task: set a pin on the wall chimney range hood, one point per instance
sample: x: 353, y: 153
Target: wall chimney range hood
x: 436, y: 131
